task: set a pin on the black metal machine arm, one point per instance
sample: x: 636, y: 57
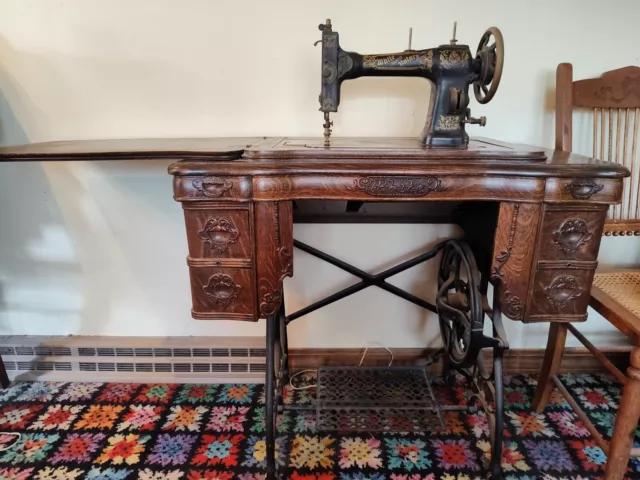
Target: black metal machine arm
x: 451, y: 68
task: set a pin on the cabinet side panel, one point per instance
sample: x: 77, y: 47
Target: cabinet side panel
x: 513, y: 253
x: 274, y: 252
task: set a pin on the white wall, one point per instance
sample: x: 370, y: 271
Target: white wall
x: 99, y: 248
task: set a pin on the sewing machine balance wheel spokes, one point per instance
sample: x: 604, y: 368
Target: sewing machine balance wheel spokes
x: 459, y: 303
x: 490, y: 57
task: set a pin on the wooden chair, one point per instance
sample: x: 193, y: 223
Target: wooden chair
x: 614, y: 99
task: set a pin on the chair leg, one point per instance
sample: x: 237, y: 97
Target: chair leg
x: 550, y: 365
x: 626, y: 422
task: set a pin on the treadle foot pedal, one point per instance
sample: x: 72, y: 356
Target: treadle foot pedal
x: 376, y: 399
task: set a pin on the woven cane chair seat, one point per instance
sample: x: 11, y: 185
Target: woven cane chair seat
x: 623, y: 287
x: 616, y: 296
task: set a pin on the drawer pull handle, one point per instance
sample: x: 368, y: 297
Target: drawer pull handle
x: 583, y: 189
x: 571, y: 235
x: 561, y: 291
x: 220, y: 233
x: 222, y: 288
x: 213, y: 186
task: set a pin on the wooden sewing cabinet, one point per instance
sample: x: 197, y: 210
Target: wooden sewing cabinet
x: 532, y: 217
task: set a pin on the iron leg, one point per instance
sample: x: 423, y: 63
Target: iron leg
x: 284, y: 346
x: 496, y: 448
x: 269, y: 397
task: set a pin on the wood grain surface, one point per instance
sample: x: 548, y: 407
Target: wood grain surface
x: 513, y: 255
x: 274, y: 252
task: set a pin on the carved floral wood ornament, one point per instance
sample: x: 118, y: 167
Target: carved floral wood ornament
x: 571, y: 235
x: 513, y: 307
x: 213, y: 186
x: 222, y: 288
x: 561, y: 291
x: 398, y: 186
x: 220, y: 233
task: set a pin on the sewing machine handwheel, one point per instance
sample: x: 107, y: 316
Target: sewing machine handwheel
x: 459, y: 303
x: 490, y: 57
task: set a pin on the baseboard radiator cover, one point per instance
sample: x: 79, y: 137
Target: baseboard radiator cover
x: 134, y: 359
x: 221, y: 359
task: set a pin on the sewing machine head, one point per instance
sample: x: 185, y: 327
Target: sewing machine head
x: 450, y: 68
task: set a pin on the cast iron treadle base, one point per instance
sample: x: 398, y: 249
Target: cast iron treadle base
x: 376, y: 399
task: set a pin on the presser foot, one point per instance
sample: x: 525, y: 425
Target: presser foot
x: 327, y: 129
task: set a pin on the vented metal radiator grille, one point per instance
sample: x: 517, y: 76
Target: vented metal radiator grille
x: 136, y: 359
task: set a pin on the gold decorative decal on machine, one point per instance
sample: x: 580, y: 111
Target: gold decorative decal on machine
x: 449, y: 122
x: 222, y: 288
x: 454, y: 58
x: 571, y: 235
x: 561, y: 291
x: 399, y: 61
x: 397, y: 186
x: 213, y: 186
x: 220, y: 233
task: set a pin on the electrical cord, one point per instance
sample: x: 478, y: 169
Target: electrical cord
x: 315, y: 370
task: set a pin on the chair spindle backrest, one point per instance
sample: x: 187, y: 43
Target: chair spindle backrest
x: 614, y: 99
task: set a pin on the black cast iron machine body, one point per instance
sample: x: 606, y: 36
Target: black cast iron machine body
x: 451, y: 68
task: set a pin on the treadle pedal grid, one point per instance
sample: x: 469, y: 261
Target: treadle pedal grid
x: 376, y: 399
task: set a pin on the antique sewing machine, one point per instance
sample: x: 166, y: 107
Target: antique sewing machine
x: 450, y: 68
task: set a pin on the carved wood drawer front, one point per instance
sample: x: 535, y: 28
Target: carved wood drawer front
x: 218, y: 232
x: 593, y: 190
x: 571, y: 233
x: 561, y: 291
x: 211, y: 188
x: 222, y: 292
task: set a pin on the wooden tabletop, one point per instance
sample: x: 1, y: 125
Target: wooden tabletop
x: 134, y: 148
x: 245, y: 155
